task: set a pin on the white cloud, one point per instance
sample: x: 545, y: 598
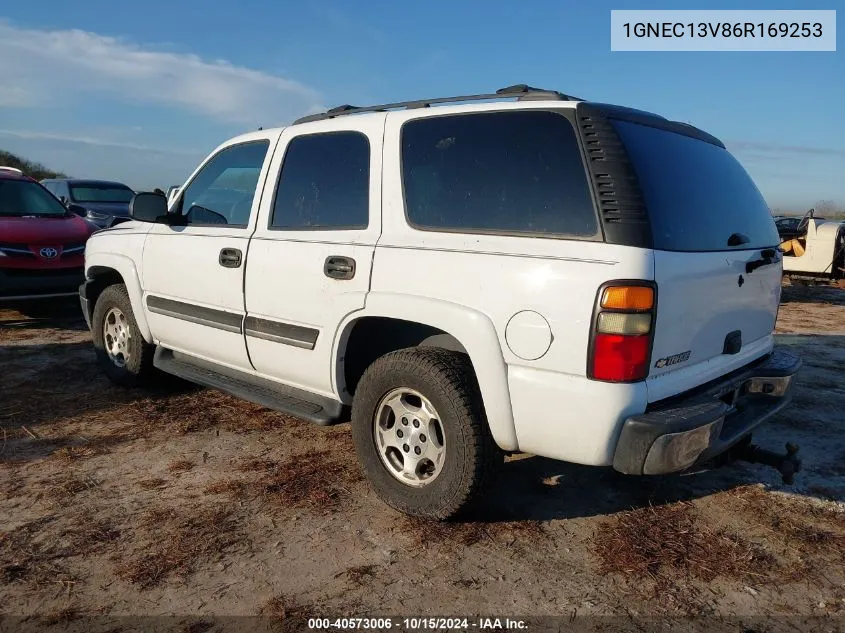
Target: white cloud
x: 89, y: 140
x: 780, y: 150
x: 42, y: 67
x: 139, y: 167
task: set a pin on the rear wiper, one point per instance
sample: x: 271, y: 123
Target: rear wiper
x: 738, y: 239
x: 769, y: 256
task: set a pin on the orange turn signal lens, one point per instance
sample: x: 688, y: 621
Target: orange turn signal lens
x: 628, y: 298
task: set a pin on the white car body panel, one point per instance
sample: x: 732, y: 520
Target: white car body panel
x: 121, y: 249
x: 180, y: 263
x: 474, y: 331
x: 569, y: 417
x: 285, y: 282
x: 820, y: 248
x: 700, y: 298
x: 471, y: 286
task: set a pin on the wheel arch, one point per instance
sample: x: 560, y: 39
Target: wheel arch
x: 393, y: 321
x: 107, y: 269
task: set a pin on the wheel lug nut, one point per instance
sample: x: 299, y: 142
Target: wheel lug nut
x: 405, y: 421
x: 422, y: 437
x: 417, y: 450
x: 406, y: 448
x: 416, y: 424
x: 400, y: 433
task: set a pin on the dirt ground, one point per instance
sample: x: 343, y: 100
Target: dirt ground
x: 188, y: 504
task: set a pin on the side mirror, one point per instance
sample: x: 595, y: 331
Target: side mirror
x: 148, y: 207
x: 75, y: 208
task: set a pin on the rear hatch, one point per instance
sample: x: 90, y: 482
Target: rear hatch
x: 716, y: 261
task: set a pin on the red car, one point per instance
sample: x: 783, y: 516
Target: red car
x: 42, y: 244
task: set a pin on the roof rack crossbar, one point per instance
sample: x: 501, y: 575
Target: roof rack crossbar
x: 518, y: 91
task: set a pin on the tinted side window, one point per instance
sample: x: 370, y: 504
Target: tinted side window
x: 503, y: 172
x: 55, y: 188
x: 324, y: 183
x: 223, y: 190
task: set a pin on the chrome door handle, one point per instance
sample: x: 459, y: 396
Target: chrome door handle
x: 339, y: 267
x: 230, y: 258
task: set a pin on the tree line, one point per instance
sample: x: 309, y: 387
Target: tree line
x: 30, y: 168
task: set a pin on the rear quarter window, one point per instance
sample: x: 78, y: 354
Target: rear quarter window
x: 499, y: 172
x: 697, y: 194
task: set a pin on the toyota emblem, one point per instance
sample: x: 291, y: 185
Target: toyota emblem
x: 48, y: 252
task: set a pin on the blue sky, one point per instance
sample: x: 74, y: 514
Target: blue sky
x: 141, y: 91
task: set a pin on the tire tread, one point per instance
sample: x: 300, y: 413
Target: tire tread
x: 141, y: 368
x: 453, y: 374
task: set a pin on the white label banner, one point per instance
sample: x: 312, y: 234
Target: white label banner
x: 676, y: 30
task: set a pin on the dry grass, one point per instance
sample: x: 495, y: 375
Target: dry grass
x: 203, y: 410
x: 432, y: 533
x: 289, y: 616
x: 426, y: 532
x: 26, y: 555
x: 152, y: 483
x: 87, y: 534
x: 197, y: 626
x: 180, y: 466
x: 360, y: 574
x: 175, y: 542
x: 316, y: 480
x: 74, y: 453
x: 13, y: 482
x: 63, y: 488
x: 35, y: 552
x: 670, y: 542
x: 812, y: 530
x: 234, y: 487
x: 63, y: 615
x: 254, y: 465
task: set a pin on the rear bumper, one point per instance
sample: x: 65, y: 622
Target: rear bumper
x: 18, y: 284
x: 695, y: 428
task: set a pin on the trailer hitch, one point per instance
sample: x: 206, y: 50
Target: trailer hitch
x: 786, y: 464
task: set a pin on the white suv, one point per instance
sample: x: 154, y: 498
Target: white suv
x: 518, y: 271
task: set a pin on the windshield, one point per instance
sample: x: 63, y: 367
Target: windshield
x: 19, y: 198
x: 90, y: 192
x: 697, y: 194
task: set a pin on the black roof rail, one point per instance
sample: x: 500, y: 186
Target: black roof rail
x: 521, y: 92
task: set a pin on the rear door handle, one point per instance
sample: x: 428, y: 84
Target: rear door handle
x: 230, y: 258
x: 339, y: 267
x: 769, y: 256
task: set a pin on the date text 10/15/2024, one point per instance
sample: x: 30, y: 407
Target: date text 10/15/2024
x: 418, y: 624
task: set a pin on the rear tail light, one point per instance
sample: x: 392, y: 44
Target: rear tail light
x: 623, y: 325
x: 628, y: 297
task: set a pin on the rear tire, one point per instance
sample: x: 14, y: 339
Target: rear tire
x: 428, y: 399
x: 122, y: 353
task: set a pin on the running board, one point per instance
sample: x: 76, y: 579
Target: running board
x: 295, y: 402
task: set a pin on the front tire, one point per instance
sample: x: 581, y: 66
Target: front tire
x: 421, y: 434
x: 122, y: 353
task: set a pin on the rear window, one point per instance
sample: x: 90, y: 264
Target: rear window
x: 697, y: 194
x: 101, y: 193
x: 496, y: 172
